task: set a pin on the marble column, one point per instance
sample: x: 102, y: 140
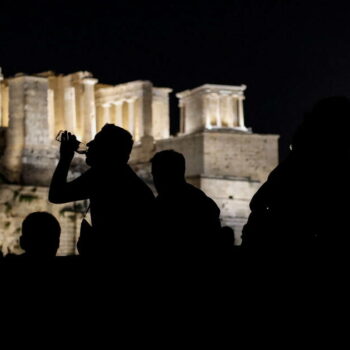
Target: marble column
x: 106, y: 117
x: 217, y: 110
x: 229, y: 112
x: 182, y: 116
x: 139, y: 118
x: 1, y: 114
x: 146, y: 107
x: 240, y: 112
x: 12, y: 158
x: 112, y: 113
x: 206, y: 106
x: 51, y: 113
x: 89, y: 109
x: 118, y: 113
x: 5, y: 105
x: 235, y: 110
x: 131, y: 116
x: 70, y: 115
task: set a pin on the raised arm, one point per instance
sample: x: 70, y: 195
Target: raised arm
x: 62, y: 191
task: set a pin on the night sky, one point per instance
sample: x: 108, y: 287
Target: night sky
x: 288, y: 53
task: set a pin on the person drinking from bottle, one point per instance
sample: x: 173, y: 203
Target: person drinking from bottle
x: 120, y: 202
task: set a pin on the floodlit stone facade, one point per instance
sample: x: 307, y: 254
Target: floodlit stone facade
x: 224, y: 158
x: 211, y: 106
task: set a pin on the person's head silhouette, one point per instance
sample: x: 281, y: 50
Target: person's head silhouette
x: 111, y: 145
x: 168, y: 170
x: 40, y: 235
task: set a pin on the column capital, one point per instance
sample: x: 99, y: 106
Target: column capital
x: 214, y: 95
x: 89, y: 81
x: 131, y: 100
x: 117, y: 103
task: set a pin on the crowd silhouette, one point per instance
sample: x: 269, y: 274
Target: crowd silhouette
x: 302, y: 207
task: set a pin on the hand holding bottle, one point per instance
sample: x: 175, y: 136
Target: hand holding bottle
x: 70, y: 144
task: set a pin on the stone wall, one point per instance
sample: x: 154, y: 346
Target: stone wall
x: 16, y: 202
x: 4, y: 103
x: 191, y: 146
x: 226, y: 153
x: 229, y: 166
x: 232, y: 195
x: 230, y: 153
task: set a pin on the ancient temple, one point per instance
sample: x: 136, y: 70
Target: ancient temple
x: 224, y: 158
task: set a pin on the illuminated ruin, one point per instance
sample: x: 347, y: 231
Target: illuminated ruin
x: 224, y: 158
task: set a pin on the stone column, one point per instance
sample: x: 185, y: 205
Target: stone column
x: 112, y: 113
x: 1, y: 116
x: 106, y: 117
x: 235, y: 110
x: 5, y: 105
x: 58, y: 84
x: 12, y: 158
x: 218, y: 111
x: 89, y: 109
x: 119, y: 113
x: 229, y: 111
x: 206, y: 106
x: 131, y: 116
x: 182, y: 116
x: 139, y: 118
x: 70, y: 115
x: 146, y: 107
x: 240, y: 112
x: 79, y: 105
x: 51, y: 113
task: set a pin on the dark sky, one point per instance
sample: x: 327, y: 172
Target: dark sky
x: 288, y: 53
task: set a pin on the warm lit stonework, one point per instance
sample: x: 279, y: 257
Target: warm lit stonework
x: 211, y: 106
x: 224, y: 158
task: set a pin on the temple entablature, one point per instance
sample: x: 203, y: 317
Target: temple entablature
x: 211, y: 106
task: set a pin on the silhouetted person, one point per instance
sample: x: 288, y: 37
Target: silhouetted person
x: 40, y: 237
x: 227, y: 239
x: 187, y: 220
x: 305, y: 201
x: 120, y: 202
x: 86, y: 241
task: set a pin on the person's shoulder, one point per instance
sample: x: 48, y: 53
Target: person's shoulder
x: 139, y: 184
x: 201, y: 196
x: 194, y: 191
x: 146, y: 190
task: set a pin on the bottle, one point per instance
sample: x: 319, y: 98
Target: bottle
x: 82, y: 147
